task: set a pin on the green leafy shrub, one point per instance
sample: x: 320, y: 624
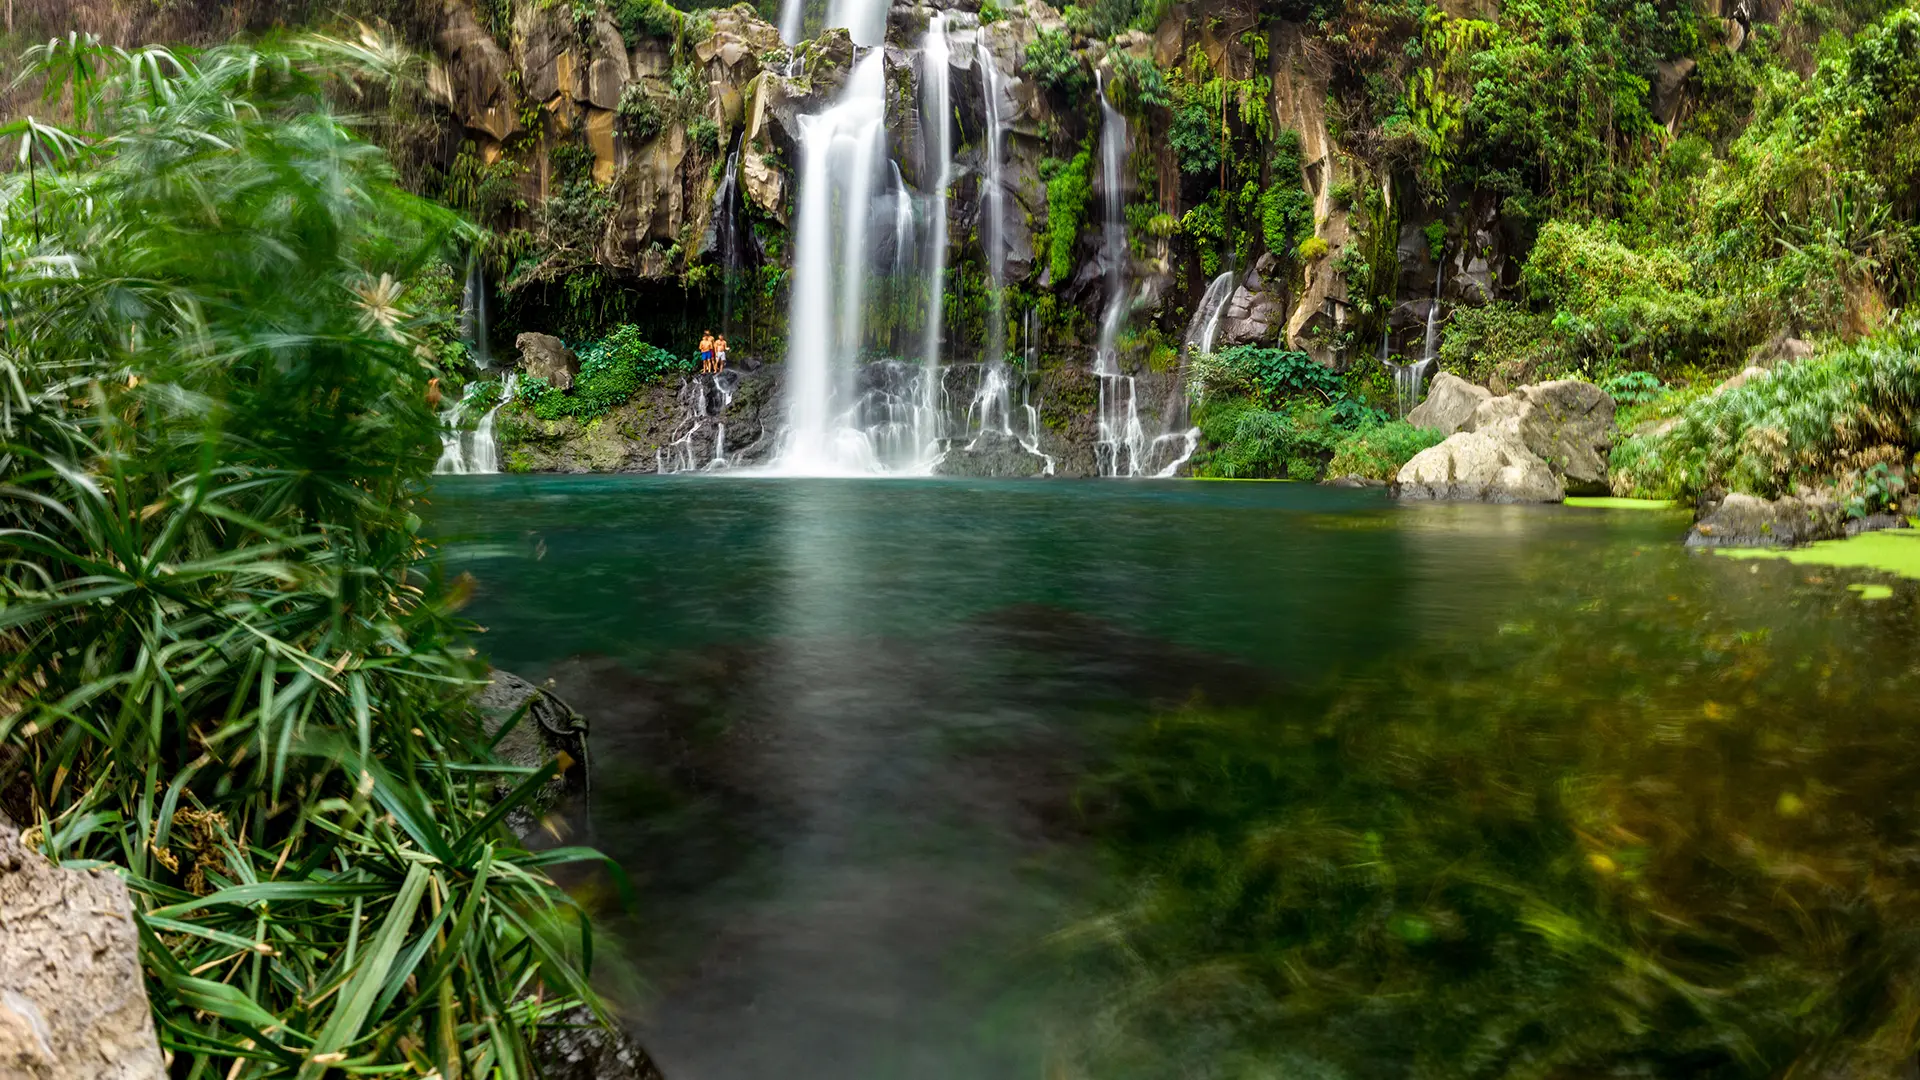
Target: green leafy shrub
x: 640, y: 117
x: 1069, y: 190
x: 1313, y: 247
x: 1504, y: 339
x: 1877, y: 490
x: 229, y: 671
x: 1634, y: 388
x: 1195, y: 137
x: 1138, y: 84
x: 991, y: 12
x: 1054, y: 65
x: 641, y: 20
x: 1264, y: 373
x: 612, y: 370
x: 1801, y: 424
x: 1377, y: 451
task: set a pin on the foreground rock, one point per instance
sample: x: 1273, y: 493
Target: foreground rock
x: 544, y: 728
x: 1482, y: 466
x: 574, y: 1046
x: 73, y: 1005
x: 1540, y: 443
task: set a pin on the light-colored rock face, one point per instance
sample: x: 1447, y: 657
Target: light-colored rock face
x: 1450, y: 404
x: 1745, y: 376
x: 73, y: 1004
x: 547, y: 357
x: 1567, y: 424
x: 1480, y: 466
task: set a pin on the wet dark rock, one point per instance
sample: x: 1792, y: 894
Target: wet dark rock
x: 1740, y: 520
x: 544, y: 728
x: 574, y: 1046
x: 991, y: 455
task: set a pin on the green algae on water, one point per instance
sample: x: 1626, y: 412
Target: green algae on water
x: 1893, y: 551
x: 1608, y: 502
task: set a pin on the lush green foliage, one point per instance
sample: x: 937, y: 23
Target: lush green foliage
x: 225, y: 669
x: 1840, y: 413
x: 640, y: 20
x: 1054, y: 65
x: 612, y: 370
x: 1377, y: 451
x: 1269, y: 412
x: 1138, y: 83
x: 1069, y: 189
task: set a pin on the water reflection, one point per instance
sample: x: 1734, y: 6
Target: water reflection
x: 949, y: 780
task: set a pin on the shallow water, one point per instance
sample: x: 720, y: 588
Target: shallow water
x: 952, y: 780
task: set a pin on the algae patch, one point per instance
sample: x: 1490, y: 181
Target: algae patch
x: 1893, y: 551
x: 1608, y: 502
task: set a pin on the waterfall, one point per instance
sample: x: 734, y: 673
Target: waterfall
x: 682, y: 454
x: 1120, y: 446
x: 463, y: 452
x: 473, y: 312
x: 840, y: 151
x: 726, y: 224
x: 865, y: 20
x: 793, y: 17
x: 486, y: 456
x: 1206, y: 318
x: 1410, y: 378
x: 994, y: 202
x: 936, y: 127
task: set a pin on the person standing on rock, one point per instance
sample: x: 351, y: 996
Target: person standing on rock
x: 706, y: 352
x: 720, y: 354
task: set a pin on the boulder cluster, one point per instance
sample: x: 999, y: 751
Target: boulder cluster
x: 1540, y: 443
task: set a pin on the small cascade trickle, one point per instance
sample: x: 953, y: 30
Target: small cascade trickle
x: 683, y: 454
x: 726, y: 236
x: 1205, y: 324
x: 1410, y: 379
x: 463, y: 451
x: 993, y: 199
x: 473, y: 313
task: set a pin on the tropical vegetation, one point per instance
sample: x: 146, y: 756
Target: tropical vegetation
x: 228, y: 667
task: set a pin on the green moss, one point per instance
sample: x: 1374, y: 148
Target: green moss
x: 1068, y: 192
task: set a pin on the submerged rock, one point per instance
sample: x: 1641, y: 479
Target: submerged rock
x: 73, y: 1000
x: 1450, y: 403
x: 547, y: 728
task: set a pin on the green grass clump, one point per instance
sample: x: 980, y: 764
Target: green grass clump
x: 228, y: 672
x: 1379, y: 450
x: 1068, y: 191
x: 1798, y: 425
x: 612, y: 370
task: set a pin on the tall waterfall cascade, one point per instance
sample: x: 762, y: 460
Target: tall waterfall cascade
x: 1122, y: 447
x: 869, y: 251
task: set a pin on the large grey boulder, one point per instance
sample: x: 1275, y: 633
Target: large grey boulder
x: 1566, y: 424
x: 1450, y: 404
x: 1741, y: 520
x: 547, y: 357
x: 73, y: 1005
x: 1483, y: 466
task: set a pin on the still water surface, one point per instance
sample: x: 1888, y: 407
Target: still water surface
x: 968, y: 780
